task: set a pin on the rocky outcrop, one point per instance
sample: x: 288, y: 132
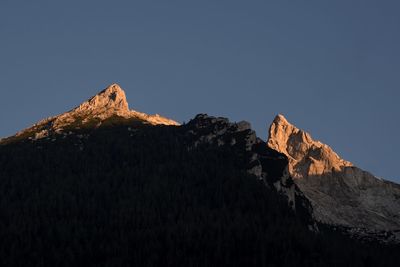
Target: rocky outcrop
x: 306, y: 156
x: 259, y: 160
x: 340, y: 193
x: 219, y: 131
x: 107, y: 106
x: 110, y: 100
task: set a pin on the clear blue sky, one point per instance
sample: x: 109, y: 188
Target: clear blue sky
x: 331, y: 67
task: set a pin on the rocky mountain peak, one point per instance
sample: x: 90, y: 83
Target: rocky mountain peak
x: 306, y: 156
x: 111, y: 98
x: 340, y: 193
x: 107, y: 107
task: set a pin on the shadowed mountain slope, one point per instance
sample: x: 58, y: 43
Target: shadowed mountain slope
x: 140, y: 190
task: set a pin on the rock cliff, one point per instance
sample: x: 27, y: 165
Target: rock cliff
x: 340, y: 193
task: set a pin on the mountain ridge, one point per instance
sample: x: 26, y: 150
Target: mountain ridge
x: 207, y: 193
x: 132, y: 192
x: 340, y: 193
x: 108, y: 105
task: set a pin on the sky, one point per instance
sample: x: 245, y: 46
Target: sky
x: 331, y: 67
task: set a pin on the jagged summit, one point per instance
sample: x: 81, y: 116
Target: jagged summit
x: 108, y: 106
x: 281, y: 118
x: 340, y: 193
x: 113, y: 97
x: 110, y: 101
x: 306, y: 156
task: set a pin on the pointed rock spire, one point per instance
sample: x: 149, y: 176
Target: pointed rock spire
x: 306, y: 156
x: 109, y: 104
x: 112, y: 102
x: 340, y: 193
x: 113, y: 97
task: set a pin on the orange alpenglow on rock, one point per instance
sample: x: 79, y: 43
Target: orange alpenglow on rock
x: 306, y: 156
x: 112, y: 101
x: 109, y: 104
x: 340, y: 193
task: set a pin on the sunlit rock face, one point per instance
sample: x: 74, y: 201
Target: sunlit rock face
x: 111, y: 99
x: 306, y: 156
x: 340, y: 193
x: 112, y: 102
x: 108, y: 106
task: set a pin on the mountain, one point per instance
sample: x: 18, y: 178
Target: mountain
x: 340, y: 193
x: 102, y: 185
x: 108, y: 106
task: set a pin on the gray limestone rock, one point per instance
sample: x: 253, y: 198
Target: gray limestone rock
x: 340, y: 193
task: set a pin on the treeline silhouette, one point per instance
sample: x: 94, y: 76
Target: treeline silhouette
x: 142, y: 198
